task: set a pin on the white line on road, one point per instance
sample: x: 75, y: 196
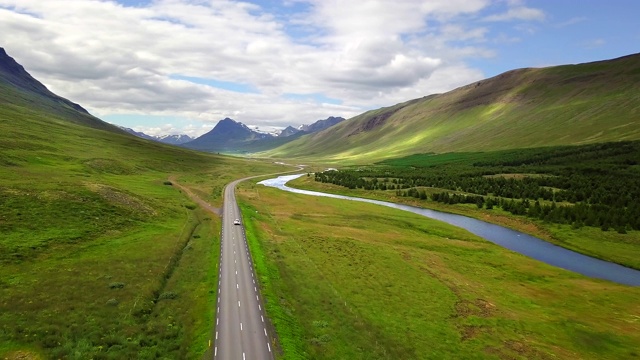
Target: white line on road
x: 240, y: 326
x: 262, y: 318
x: 238, y: 303
x: 269, y: 347
x: 265, y: 331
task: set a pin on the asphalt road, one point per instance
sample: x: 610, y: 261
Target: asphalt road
x: 241, y: 330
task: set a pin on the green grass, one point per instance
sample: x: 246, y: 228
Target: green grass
x: 368, y: 282
x: 99, y: 256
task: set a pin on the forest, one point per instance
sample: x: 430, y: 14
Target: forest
x: 589, y: 185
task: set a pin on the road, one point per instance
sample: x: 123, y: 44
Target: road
x: 241, y: 330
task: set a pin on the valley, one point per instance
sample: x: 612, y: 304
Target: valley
x: 110, y: 244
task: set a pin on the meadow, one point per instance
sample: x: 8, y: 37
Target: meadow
x: 101, y: 256
x: 345, y: 280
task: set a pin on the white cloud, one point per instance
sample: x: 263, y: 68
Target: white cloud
x: 517, y: 11
x: 114, y: 59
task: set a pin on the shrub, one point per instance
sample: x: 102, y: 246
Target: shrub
x: 167, y: 295
x: 112, y: 302
x: 116, y: 285
x: 168, y: 183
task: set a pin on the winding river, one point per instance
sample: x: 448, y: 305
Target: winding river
x: 514, y: 240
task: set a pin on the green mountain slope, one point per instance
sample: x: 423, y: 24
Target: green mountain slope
x: 562, y: 105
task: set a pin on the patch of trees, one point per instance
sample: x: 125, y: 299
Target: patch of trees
x: 592, y: 185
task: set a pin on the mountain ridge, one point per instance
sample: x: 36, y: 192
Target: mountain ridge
x: 235, y: 137
x: 30, y: 92
x: 531, y: 107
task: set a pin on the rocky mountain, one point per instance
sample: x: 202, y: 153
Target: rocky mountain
x: 167, y: 139
x: 227, y: 136
x: 560, y: 105
x: 27, y: 91
x: 288, y: 131
x: 232, y: 136
x: 321, y: 124
x: 174, y: 139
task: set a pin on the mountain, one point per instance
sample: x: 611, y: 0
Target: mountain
x: 288, y: 131
x: 19, y: 88
x: 321, y: 124
x: 231, y: 136
x: 532, y: 107
x: 227, y: 136
x: 167, y: 139
x: 138, y: 133
x: 174, y: 139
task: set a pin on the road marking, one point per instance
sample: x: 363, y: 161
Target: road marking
x: 215, y: 352
x: 265, y: 331
x: 216, y: 338
x: 269, y: 347
x: 238, y: 303
x: 262, y: 318
x: 236, y: 272
x: 237, y: 286
x: 255, y: 289
x: 240, y: 326
x: 243, y: 358
x: 217, y: 321
x: 257, y: 298
x: 260, y: 308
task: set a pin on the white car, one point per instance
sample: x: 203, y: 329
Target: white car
x: 236, y: 222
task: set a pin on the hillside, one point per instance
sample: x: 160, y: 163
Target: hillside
x: 92, y: 228
x: 561, y: 105
x: 19, y: 89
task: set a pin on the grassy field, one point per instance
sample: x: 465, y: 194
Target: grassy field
x: 100, y: 256
x: 357, y: 281
x: 611, y: 246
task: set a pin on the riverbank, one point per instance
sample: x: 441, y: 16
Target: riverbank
x: 623, y: 249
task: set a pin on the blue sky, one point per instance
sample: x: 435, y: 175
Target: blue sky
x: 179, y: 66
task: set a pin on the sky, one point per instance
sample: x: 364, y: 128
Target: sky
x: 179, y: 66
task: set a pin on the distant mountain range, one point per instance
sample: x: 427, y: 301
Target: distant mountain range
x: 235, y: 137
x: 594, y: 102
x: 167, y: 139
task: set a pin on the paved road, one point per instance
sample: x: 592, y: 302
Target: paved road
x: 241, y: 331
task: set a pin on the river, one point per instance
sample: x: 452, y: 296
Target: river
x: 514, y: 240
